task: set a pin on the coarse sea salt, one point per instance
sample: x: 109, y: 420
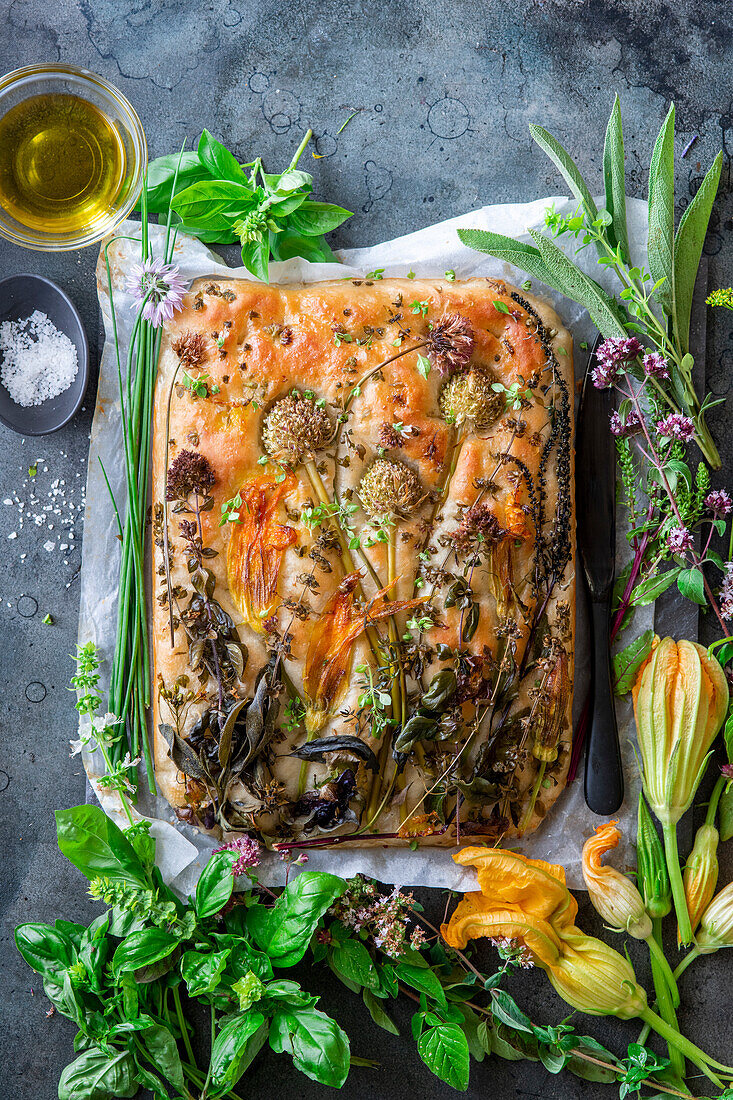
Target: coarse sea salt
x: 38, y: 361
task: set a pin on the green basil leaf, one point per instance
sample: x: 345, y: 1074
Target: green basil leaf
x: 575, y: 284
x: 315, y: 218
x: 95, y: 1075
x: 424, y: 980
x: 627, y: 663
x: 242, y: 958
x: 202, y: 972
x: 97, y: 847
x: 143, y: 949
x: 149, y: 1081
x: 614, y: 178
x: 567, y: 168
x: 292, y: 179
x: 524, y: 256
x: 647, y: 591
x: 256, y: 258
x: 214, y: 887
x: 286, y: 245
x: 352, y: 961
x: 217, y: 160
x: 162, y: 1051
x: 378, y: 1013
x: 688, y: 247
x: 45, y: 949
x: 70, y: 929
x: 692, y: 586
x: 284, y: 931
x: 93, y: 950
x: 161, y: 173
x: 660, y: 247
x: 202, y: 202
x: 444, y: 1050
x: 319, y: 1047
x: 281, y: 207
x: 236, y: 1045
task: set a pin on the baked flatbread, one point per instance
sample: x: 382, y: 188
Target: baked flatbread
x: 376, y: 563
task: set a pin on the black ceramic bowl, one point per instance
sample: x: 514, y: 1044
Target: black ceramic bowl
x: 20, y: 295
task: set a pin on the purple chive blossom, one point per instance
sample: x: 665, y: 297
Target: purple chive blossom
x: 679, y: 540
x: 655, y: 365
x: 249, y: 853
x: 676, y: 426
x: 726, y: 592
x: 624, y: 426
x: 160, y: 286
x: 719, y: 503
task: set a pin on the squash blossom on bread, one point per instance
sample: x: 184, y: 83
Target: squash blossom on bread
x: 680, y: 701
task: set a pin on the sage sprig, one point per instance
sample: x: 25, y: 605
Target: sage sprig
x: 655, y: 304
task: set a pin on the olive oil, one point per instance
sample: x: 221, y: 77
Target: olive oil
x: 62, y: 164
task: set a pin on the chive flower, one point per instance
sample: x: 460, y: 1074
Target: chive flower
x: 159, y: 286
x: 388, y: 489
x: 471, y: 397
x: 295, y: 429
x: 450, y: 343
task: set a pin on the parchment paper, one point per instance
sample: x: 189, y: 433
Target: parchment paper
x: 182, y: 852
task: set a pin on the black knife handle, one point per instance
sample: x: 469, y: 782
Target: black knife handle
x: 604, y: 777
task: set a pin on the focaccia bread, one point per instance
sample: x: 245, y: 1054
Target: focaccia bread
x: 363, y: 560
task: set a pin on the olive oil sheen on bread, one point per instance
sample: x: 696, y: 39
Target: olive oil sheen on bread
x: 62, y: 163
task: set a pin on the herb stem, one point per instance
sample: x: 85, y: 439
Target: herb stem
x: 183, y: 1025
x: 669, y: 834
x: 300, y: 150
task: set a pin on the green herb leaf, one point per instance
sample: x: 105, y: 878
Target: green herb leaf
x: 163, y: 1053
x: 660, y: 248
x: 217, y: 160
x: 627, y: 663
x: 319, y: 1047
x: 692, y: 586
x: 651, y: 589
x: 313, y: 219
x: 567, y: 168
x: 588, y: 1071
x: 444, y: 1050
x: 161, y: 174
x: 95, y: 1075
x: 237, y: 1043
x: 423, y: 979
x: 614, y: 178
x: 143, y: 948
x: 255, y: 257
x: 286, y: 245
x: 48, y: 951
x: 575, y: 284
x: 423, y: 365
x: 202, y: 971
x: 284, y: 931
x: 508, y: 1012
x: 377, y: 1012
x: 524, y: 256
x: 688, y: 247
x: 204, y: 202
x: 501, y: 307
x: 97, y: 847
x: 214, y: 888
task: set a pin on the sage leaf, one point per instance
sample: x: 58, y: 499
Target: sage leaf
x: 524, y: 256
x: 236, y: 1045
x: 627, y: 663
x: 691, y: 584
x: 97, y: 847
x: 95, y: 1075
x: 660, y: 248
x: 214, y: 887
x: 614, y: 178
x: 567, y: 168
x: 576, y: 285
x: 218, y: 161
x: 319, y: 1047
x: 284, y: 931
x: 377, y: 1012
x: 688, y: 247
x: 444, y: 1050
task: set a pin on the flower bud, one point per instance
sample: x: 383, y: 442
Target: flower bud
x: 701, y: 873
x: 595, y: 979
x: 612, y: 894
x: 716, y: 924
x: 652, y: 875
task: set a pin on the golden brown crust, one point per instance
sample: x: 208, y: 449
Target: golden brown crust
x: 260, y: 343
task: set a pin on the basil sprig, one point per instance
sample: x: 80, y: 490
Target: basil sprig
x: 221, y: 201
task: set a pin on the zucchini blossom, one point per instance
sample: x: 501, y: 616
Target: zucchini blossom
x: 701, y: 873
x: 613, y: 895
x: 680, y: 701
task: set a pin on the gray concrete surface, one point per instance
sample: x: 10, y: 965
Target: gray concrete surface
x: 445, y: 91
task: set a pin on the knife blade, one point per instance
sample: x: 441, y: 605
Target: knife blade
x: 595, y: 496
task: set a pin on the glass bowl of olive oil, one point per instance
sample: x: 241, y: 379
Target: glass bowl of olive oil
x: 72, y: 157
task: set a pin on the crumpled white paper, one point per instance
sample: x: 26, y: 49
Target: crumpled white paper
x: 430, y: 252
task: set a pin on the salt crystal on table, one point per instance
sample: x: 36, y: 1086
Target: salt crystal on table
x: 49, y: 545
x: 38, y: 361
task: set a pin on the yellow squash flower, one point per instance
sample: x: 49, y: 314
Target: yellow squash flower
x: 613, y: 895
x: 716, y: 925
x: 680, y: 702
x: 701, y: 873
